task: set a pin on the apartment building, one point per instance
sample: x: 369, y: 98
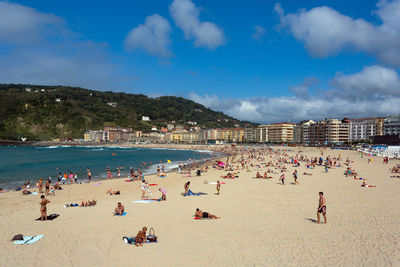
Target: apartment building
x: 250, y: 134
x: 281, y: 132
x: 305, y: 131
x: 190, y: 137
x: 365, y: 128
x: 391, y: 125
x: 262, y: 134
x: 329, y: 131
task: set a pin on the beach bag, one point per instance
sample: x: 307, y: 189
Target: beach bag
x: 151, y: 237
x: 18, y: 237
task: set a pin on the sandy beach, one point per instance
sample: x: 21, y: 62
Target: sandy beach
x: 263, y: 223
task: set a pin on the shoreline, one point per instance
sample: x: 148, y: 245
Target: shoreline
x: 210, y: 155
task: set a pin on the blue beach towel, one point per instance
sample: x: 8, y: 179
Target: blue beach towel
x: 28, y: 240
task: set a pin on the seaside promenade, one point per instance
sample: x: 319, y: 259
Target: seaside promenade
x: 263, y: 223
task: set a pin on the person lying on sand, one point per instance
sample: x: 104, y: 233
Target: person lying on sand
x: 88, y: 203
x: 364, y: 184
x: 119, y: 210
x: 200, y: 214
x: 359, y: 178
x: 306, y: 173
x: 141, y: 237
x: 111, y: 192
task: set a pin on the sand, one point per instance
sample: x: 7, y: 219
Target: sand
x: 263, y: 222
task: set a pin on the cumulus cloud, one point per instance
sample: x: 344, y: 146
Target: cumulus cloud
x: 204, y: 33
x: 39, y: 48
x: 153, y: 37
x: 302, y: 90
x: 259, y: 32
x: 326, y: 31
x: 375, y: 91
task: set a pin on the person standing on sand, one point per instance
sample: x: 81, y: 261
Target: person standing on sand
x: 40, y: 185
x: 43, y: 207
x: 218, y: 187
x: 158, y: 170
x: 47, y: 188
x: 282, y: 178
x: 295, y: 177
x: 89, y: 174
x: 321, y: 207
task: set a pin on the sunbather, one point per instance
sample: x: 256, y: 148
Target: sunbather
x: 141, y: 237
x: 119, y: 210
x: 111, y: 192
x: 202, y: 214
x: 364, y: 184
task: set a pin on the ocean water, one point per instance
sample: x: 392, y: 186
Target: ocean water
x: 19, y: 164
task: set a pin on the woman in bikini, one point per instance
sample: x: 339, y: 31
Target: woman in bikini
x: 43, y: 207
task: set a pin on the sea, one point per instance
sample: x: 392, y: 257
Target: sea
x: 18, y: 164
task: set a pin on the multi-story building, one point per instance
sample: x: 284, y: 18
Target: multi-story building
x: 280, y: 132
x: 94, y: 136
x: 297, y: 133
x: 305, y: 131
x: 365, y: 128
x: 329, y: 131
x: 190, y: 137
x: 262, y: 134
x: 250, y: 134
x: 391, y: 125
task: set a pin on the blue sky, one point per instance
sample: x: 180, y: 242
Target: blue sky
x: 265, y: 61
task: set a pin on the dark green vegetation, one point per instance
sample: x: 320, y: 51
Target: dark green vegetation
x: 38, y: 116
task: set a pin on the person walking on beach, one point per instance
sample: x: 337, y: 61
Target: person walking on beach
x: 321, y: 207
x: 158, y: 170
x: 143, y: 187
x: 89, y: 174
x: 218, y: 187
x: 43, y: 207
x: 295, y: 177
x: 47, y: 188
x: 282, y: 178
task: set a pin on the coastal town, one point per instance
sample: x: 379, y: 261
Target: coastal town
x: 379, y: 130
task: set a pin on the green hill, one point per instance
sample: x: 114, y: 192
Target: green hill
x: 48, y: 112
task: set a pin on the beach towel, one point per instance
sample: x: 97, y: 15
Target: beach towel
x: 96, y: 184
x: 199, y: 218
x: 49, y: 217
x: 153, y: 184
x: 162, y: 176
x: 71, y: 205
x: 28, y: 240
x: 35, y: 193
x: 131, y: 240
x: 123, y: 214
x: 216, y: 183
x: 195, y: 194
x: 128, y: 181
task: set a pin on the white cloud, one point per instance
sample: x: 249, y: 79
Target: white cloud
x: 259, y: 32
x: 186, y: 17
x: 20, y: 24
x: 375, y: 91
x: 39, y: 48
x: 373, y: 82
x: 152, y: 37
x: 325, y: 31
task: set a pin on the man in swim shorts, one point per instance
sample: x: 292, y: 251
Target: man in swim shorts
x: 205, y: 215
x: 321, y: 207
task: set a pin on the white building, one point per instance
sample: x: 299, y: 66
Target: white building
x: 145, y: 118
x: 305, y: 131
x: 391, y: 125
x: 364, y: 129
